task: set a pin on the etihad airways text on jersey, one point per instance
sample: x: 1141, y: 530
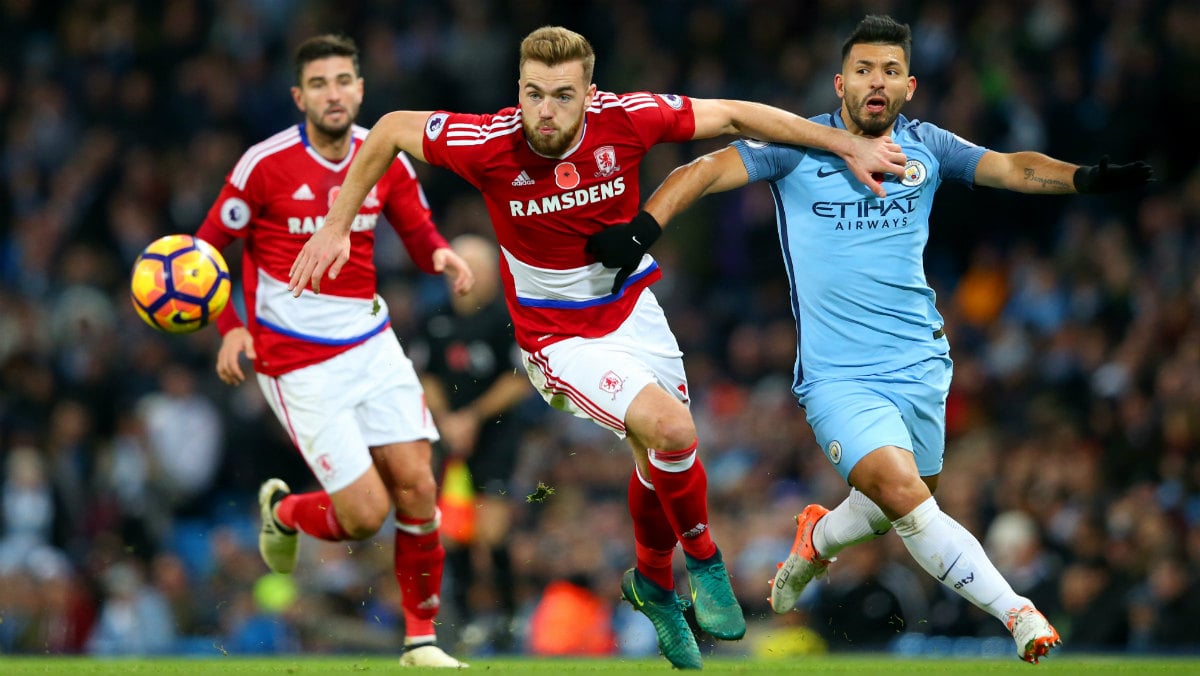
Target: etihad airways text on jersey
x: 568, y: 200
x: 310, y: 224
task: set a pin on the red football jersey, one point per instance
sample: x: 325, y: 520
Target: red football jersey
x: 278, y: 195
x: 544, y: 208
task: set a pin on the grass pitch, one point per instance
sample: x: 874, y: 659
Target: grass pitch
x: 850, y: 664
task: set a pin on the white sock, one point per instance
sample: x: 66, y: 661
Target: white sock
x: 857, y: 519
x: 951, y: 554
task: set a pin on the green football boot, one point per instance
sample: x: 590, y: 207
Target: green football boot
x: 665, y: 610
x: 717, y: 609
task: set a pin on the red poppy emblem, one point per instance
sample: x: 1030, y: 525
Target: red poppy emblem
x: 566, y: 176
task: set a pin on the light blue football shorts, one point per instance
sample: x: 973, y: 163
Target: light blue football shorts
x: 851, y: 417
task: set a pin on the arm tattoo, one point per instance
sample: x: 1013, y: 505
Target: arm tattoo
x: 1045, y: 182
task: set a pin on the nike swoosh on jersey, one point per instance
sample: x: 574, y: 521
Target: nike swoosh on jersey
x: 821, y: 173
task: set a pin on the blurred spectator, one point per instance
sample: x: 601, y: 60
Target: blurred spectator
x: 63, y: 619
x: 1014, y: 545
x: 183, y: 433
x: 1165, y: 607
x: 134, y: 617
x: 27, y: 507
x: 1092, y: 602
x: 262, y: 627
x: 571, y: 619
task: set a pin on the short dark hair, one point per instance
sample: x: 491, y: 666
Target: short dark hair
x: 880, y: 29
x: 323, y: 47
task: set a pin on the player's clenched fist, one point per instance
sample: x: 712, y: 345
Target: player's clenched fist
x: 326, y: 250
x: 622, y: 246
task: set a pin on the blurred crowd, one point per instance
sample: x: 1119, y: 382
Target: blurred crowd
x: 128, y: 472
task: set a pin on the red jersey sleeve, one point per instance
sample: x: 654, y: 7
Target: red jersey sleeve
x: 235, y: 207
x: 455, y: 140
x: 408, y: 211
x: 660, y: 118
x: 227, y: 220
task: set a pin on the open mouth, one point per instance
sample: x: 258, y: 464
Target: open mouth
x: 875, y: 104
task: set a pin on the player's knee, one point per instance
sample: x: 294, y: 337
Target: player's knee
x: 424, y: 488
x: 679, y: 437
x: 362, y: 532
x: 363, y: 519
x: 672, y: 430
x: 417, y: 493
x: 897, y: 497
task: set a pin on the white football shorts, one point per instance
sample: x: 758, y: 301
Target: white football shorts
x: 597, y: 378
x: 337, y: 409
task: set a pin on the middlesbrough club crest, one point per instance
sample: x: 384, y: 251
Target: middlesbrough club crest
x: 606, y: 161
x: 611, y: 383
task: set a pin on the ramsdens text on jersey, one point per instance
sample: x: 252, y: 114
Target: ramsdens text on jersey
x: 310, y: 224
x: 568, y: 200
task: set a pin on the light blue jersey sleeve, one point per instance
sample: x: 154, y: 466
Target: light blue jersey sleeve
x: 767, y: 161
x: 957, y: 157
x: 855, y: 261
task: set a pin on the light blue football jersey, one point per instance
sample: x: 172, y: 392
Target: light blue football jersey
x: 855, y: 261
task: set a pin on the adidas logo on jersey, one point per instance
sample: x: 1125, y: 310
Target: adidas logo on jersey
x: 304, y: 193
x: 522, y: 179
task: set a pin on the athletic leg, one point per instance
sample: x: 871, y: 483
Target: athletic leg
x: 418, y: 556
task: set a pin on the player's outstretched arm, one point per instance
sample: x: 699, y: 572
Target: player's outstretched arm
x: 718, y: 171
x: 864, y: 156
x: 329, y: 248
x: 622, y: 246
x: 1035, y: 173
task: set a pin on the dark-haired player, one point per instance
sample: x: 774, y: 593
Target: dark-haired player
x: 329, y: 364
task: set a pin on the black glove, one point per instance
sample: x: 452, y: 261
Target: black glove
x: 1106, y: 178
x: 622, y: 246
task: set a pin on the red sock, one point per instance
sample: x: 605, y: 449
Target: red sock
x: 652, y: 534
x: 682, y: 487
x: 311, y: 513
x: 419, y: 559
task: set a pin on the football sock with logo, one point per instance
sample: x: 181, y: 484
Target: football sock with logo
x: 682, y: 487
x: 419, y: 559
x: 857, y: 519
x: 951, y: 554
x: 310, y: 513
x: 653, y: 535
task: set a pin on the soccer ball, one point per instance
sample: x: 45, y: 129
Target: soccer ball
x: 179, y: 283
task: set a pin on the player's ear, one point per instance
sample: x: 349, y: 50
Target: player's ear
x: 839, y: 85
x: 912, y: 88
x: 297, y: 99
